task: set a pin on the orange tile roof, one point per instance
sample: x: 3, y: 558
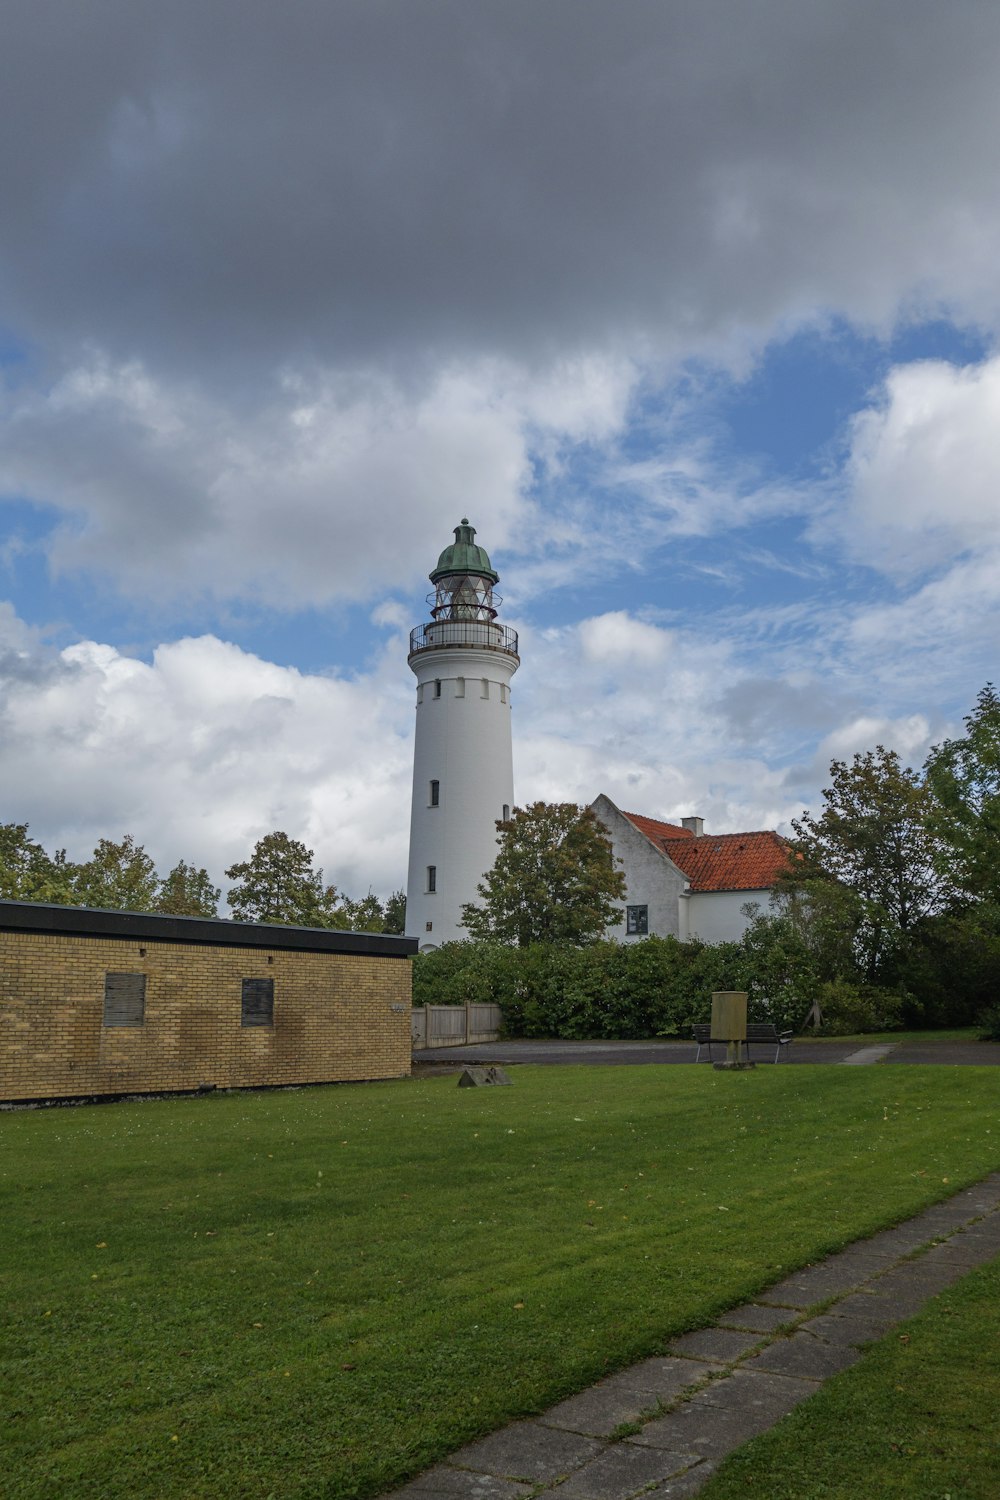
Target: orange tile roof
x: 658, y: 831
x: 719, y: 861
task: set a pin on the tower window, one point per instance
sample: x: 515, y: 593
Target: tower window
x: 503, y: 692
x: 437, y: 687
x: 459, y: 687
x: 506, y: 812
x: 435, y: 798
x: 485, y: 692
x: 432, y: 878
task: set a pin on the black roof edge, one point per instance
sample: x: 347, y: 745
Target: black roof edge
x: 215, y: 932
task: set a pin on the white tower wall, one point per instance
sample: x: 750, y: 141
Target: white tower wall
x: 462, y: 742
x: 463, y: 777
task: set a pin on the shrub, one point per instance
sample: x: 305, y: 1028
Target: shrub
x: 989, y: 1023
x: 849, y: 1008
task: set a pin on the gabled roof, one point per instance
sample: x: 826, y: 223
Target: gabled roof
x: 658, y: 831
x: 718, y: 861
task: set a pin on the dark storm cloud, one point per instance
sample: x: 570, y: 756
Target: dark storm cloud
x: 244, y: 179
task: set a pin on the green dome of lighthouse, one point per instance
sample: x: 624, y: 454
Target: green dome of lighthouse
x: 463, y: 556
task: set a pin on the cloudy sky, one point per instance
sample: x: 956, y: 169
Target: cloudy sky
x: 690, y: 305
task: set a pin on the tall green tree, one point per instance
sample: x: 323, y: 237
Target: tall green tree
x: 27, y: 873
x: 187, y: 892
x: 555, y: 879
x: 366, y: 915
x: 279, y: 883
x: 119, y: 876
x: 875, y: 836
x: 964, y: 776
x: 395, y: 913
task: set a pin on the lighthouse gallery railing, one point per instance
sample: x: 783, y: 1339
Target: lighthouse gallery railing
x: 482, y: 634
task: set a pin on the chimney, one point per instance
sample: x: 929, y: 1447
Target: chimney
x: 694, y: 825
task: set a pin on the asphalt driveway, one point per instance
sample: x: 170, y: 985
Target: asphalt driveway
x: 600, y: 1054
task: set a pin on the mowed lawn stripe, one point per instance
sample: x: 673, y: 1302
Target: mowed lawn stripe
x: 317, y: 1292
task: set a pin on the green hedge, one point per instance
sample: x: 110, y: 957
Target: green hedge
x: 656, y: 987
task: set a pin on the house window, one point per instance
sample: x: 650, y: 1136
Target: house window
x: 636, y: 920
x: 437, y: 687
x: 258, y: 1002
x: 432, y: 878
x: 124, y: 999
x: 435, y: 797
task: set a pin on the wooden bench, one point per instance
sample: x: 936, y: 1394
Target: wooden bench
x: 760, y: 1033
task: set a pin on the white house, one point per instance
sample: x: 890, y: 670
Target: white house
x: 682, y: 882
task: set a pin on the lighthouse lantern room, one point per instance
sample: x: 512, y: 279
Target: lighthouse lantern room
x: 463, y: 779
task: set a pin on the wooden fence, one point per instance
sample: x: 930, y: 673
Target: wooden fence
x: 455, y: 1025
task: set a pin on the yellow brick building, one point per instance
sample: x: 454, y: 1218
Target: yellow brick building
x: 103, y: 1003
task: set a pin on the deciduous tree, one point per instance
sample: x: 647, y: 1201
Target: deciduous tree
x: 366, y: 915
x: 555, y: 879
x: 964, y: 776
x: 279, y: 884
x: 121, y: 877
x: 395, y: 913
x: 875, y: 836
x: 187, y: 892
x: 27, y: 873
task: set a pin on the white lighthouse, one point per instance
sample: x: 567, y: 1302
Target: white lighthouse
x: 463, y: 777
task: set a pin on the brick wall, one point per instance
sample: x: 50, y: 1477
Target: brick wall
x: 337, y: 1016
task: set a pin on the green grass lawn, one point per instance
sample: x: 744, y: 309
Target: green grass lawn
x: 929, y: 1393
x: 319, y: 1292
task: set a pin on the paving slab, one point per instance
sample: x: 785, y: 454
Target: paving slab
x: 445, y: 1483
x: 622, y: 1471
x: 919, y: 1277
x: 760, y: 1390
x: 715, y: 1343
x: 820, y: 1283
x: 706, y: 1430
x: 865, y: 1056
x: 757, y: 1317
x: 894, y: 1304
x: 984, y: 1232
x: 692, y: 1482
x: 804, y: 1355
x: 869, y: 1307
x: 834, y: 1328
x: 527, y: 1451
x: 602, y: 1409
x: 664, y: 1378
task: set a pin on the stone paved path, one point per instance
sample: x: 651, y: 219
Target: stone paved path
x: 866, y: 1055
x: 718, y: 1387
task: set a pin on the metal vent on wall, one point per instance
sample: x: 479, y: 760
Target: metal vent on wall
x: 124, y: 999
x: 258, y: 1002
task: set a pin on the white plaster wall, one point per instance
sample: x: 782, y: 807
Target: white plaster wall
x: 716, y: 916
x: 463, y: 741
x: 651, y: 879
